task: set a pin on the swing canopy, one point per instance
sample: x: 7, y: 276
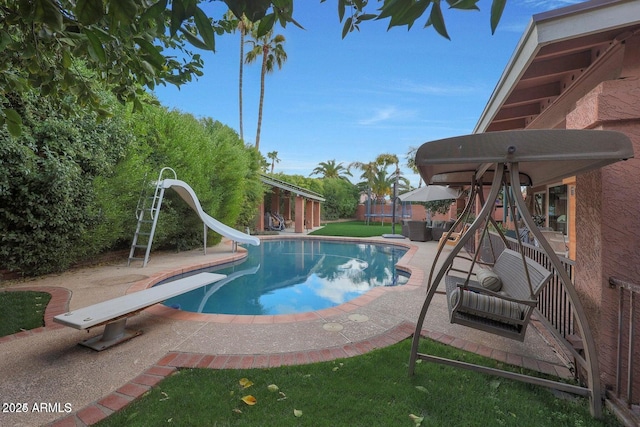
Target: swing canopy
x: 544, y: 156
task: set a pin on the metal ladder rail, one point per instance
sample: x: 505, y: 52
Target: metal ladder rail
x: 140, y: 209
x: 154, y: 212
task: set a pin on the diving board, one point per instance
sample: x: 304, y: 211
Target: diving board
x: 114, y: 313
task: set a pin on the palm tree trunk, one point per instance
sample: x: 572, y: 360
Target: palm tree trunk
x: 240, y: 79
x: 265, y: 53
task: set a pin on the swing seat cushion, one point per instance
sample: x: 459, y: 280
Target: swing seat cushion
x: 488, y: 306
x: 488, y: 279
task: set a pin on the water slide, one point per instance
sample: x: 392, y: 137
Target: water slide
x: 186, y: 192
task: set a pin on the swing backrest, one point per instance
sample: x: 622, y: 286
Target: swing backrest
x: 510, y: 268
x: 505, y: 312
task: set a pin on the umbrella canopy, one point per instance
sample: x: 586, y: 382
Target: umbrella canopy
x: 430, y: 193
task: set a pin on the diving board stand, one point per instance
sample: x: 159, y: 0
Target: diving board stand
x: 114, y: 313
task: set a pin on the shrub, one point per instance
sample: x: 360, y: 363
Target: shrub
x: 341, y: 198
x: 46, y: 196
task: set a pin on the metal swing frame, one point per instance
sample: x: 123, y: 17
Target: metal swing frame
x: 527, y: 157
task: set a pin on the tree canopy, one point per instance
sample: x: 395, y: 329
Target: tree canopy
x: 63, y: 48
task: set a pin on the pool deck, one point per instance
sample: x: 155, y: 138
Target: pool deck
x: 63, y: 384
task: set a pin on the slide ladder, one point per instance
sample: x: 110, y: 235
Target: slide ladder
x: 147, y: 212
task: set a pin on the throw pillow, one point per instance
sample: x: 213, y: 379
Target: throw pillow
x: 489, y: 280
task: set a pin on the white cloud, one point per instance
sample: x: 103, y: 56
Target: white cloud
x: 429, y: 89
x: 380, y: 115
x: 386, y: 114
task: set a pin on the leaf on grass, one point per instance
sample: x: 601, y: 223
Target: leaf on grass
x: 249, y: 400
x: 282, y: 396
x: 245, y: 383
x: 297, y: 413
x: 422, y: 389
x: 335, y: 368
x: 237, y: 411
x: 273, y: 388
x: 166, y: 396
x: 416, y: 419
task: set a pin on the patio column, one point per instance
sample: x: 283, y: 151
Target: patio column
x: 260, y: 221
x: 275, y: 200
x: 287, y: 207
x: 299, y: 213
x: 309, y: 214
x: 316, y: 214
x: 607, y: 220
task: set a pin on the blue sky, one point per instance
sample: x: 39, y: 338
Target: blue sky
x: 374, y: 92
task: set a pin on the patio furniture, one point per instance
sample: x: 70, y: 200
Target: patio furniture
x: 512, y: 159
x: 418, y: 231
x: 451, y: 238
x: 438, y: 228
x: 405, y: 228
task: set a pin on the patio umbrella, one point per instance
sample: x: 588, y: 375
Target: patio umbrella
x: 430, y: 193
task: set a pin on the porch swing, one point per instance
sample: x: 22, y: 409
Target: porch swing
x: 498, y: 295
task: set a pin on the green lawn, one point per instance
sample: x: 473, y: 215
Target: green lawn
x: 369, y: 390
x: 22, y: 311
x: 355, y: 229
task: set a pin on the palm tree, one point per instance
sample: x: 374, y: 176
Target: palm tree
x: 273, y: 155
x: 375, y: 175
x: 272, y: 52
x: 369, y: 171
x: 411, y: 163
x: 330, y: 169
x: 244, y: 26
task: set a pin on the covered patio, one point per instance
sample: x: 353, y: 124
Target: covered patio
x: 305, y: 214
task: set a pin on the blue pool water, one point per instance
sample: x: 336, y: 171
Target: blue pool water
x: 295, y: 276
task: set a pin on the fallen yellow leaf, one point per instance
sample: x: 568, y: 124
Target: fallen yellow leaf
x: 249, y: 400
x: 416, y: 419
x: 273, y: 388
x: 297, y: 413
x: 246, y: 383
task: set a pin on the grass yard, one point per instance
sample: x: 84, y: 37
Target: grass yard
x: 355, y: 229
x: 22, y: 310
x: 369, y: 390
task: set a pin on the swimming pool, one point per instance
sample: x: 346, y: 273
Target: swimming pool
x: 295, y: 276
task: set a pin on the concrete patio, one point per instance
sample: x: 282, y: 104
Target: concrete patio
x: 72, y: 385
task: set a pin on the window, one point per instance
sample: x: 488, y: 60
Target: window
x: 558, y: 208
x: 540, y: 209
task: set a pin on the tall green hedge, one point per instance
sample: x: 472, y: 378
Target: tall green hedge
x: 69, y: 187
x: 341, y: 198
x: 47, y: 204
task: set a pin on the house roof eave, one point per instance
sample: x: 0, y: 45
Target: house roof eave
x: 577, y: 23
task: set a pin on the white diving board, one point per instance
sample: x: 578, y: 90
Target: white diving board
x: 114, y: 313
